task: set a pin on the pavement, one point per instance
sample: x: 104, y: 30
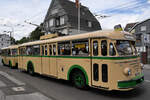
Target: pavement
x: 147, y: 66
x: 13, y: 89
x: 18, y: 85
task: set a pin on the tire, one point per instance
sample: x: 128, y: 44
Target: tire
x: 3, y: 62
x: 30, y: 69
x: 79, y: 80
x: 10, y: 64
x: 16, y: 66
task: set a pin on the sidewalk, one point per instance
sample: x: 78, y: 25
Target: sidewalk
x: 147, y: 66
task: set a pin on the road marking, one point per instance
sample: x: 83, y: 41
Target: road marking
x: 33, y: 96
x: 147, y: 81
x: 12, y: 78
x: 18, y: 89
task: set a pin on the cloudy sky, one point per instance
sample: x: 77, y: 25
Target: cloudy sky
x: 14, y: 12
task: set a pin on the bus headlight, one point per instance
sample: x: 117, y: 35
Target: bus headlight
x: 127, y: 71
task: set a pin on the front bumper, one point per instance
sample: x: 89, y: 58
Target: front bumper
x: 131, y: 83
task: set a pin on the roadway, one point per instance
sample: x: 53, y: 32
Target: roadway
x: 18, y: 85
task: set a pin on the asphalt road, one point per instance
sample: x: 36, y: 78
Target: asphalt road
x: 18, y: 85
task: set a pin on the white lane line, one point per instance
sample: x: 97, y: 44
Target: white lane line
x: 33, y: 96
x: 147, y: 81
x: 12, y: 78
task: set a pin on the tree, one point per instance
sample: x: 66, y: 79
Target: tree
x: 23, y: 40
x: 35, y: 35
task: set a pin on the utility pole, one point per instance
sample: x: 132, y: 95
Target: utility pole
x: 78, y: 5
x: 79, y: 17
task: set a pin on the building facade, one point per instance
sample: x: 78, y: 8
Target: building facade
x: 142, y: 32
x: 4, y: 40
x: 62, y: 17
x: 129, y: 26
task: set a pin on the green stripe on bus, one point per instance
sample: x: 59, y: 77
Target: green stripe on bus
x: 82, y: 69
x: 76, y: 57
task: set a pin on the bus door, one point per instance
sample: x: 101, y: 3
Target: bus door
x: 52, y: 60
x: 99, y: 66
x: 45, y: 60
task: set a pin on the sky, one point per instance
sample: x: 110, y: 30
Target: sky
x: 13, y: 13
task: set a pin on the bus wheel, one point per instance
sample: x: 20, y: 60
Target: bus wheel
x: 3, y: 62
x: 10, y: 64
x: 16, y: 66
x: 30, y: 69
x: 79, y: 80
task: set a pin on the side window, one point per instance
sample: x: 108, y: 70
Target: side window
x: 104, y: 73
x: 112, y: 51
x: 29, y: 50
x: 96, y: 72
x: 45, y: 50
x: 14, y: 51
x: 80, y: 47
x: 36, y: 50
x: 54, y: 49
x: 9, y: 52
x: 64, y: 48
x: 50, y: 49
x: 95, y: 48
x: 104, y: 48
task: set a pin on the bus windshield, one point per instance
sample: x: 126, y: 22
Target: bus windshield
x: 124, y: 48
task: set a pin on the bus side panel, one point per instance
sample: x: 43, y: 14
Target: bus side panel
x: 36, y: 61
x: 53, y: 67
x: 20, y: 62
x: 45, y: 65
x: 64, y: 64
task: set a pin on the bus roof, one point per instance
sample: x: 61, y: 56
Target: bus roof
x: 11, y: 47
x: 116, y: 35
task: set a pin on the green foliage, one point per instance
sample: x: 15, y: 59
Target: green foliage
x: 23, y: 40
x: 34, y: 35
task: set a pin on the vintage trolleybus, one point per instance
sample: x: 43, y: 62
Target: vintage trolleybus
x: 10, y: 56
x: 101, y: 59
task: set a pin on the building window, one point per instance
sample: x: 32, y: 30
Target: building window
x: 46, y: 25
x: 62, y: 20
x: 57, y: 21
x: 51, y: 22
x: 89, y: 24
x: 54, y: 11
x: 143, y: 28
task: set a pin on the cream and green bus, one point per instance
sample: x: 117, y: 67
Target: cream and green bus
x: 101, y: 59
x: 10, y: 56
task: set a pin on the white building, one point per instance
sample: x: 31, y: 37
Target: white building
x: 4, y: 40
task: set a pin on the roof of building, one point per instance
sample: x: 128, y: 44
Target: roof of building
x: 138, y: 24
x: 72, y: 13
x: 71, y: 9
x: 129, y: 26
x: 116, y: 35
